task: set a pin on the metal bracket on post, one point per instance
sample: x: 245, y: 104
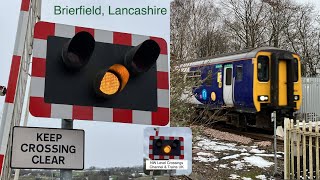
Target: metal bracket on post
x: 66, y: 174
x: 274, y: 119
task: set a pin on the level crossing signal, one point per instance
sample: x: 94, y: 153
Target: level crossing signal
x: 165, y: 147
x: 89, y: 74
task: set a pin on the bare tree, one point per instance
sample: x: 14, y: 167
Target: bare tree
x: 246, y: 21
x: 303, y: 36
x: 280, y: 14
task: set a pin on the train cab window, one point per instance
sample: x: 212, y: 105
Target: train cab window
x: 239, y: 73
x: 228, y: 76
x: 295, y: 70
x: 263, y: 68
x: 208, y: 80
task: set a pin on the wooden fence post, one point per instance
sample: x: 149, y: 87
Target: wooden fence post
x: 298, y: 148
x: 310, y: 152
x: 286, y: 148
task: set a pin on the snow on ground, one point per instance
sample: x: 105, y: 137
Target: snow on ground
x: 237, y: 156
x: 257, y: 151
x: 205, y: 159
x: 237, y: 165
x: 234, y: 176
x: 223, y: 166
x: 204, y: 154
x: 258, y: 161
x: 245, y: 178
x: 268, y: 155
x: 263, y: 177
x: 209, y: 145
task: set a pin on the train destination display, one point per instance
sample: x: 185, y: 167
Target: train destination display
x: 47, y: 148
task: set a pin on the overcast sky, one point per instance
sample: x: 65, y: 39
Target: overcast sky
x: 107, y: 144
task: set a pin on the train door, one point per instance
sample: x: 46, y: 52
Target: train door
x: 228, y: 85
x: 282, y: 83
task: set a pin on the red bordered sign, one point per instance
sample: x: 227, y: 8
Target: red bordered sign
x: 160, y: 157
x: 39, y: 108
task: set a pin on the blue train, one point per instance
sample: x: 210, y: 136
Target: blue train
x: 247, y: 85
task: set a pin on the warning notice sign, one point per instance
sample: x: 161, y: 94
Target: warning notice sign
x: 47, y: 148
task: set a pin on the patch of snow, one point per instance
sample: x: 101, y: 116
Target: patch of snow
x: 257, y: 151
x: 258, y: 161
x: 196, y: 147
x: 244, y: 154
x: 223, y: 165
x: 243, y: 150
x: 209, y: 145
x: 268, y: 155
x: 235, y: 162
x: 215, y: 145
x: 238, y: 165
x: 204, y: 154
x: 245, y: 178
x: 263, y: 177
x: 205, y: 159
x: 254, y: 146
x: 235, y: 156
x: 234, y: 176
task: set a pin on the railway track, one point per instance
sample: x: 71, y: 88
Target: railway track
x: 261, y: 136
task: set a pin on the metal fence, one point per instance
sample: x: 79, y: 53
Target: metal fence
x: 310, y: 110
x: 301, y: 147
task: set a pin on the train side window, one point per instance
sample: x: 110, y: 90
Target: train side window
x: 295, y: 70
x: 228, y: 76
x: 239, y: 73
x: 208, y: 80
x: 263, y: 68
x: 193, y: 78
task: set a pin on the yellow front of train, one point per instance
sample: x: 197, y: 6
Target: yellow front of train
x: 277, y: 83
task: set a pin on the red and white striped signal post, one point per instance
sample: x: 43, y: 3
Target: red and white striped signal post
x: 14, y: 100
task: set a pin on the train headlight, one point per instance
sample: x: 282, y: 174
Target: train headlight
x: 296, y: 97
x: 263, y: 98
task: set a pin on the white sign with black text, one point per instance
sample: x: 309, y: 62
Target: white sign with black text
x: 47, y: 148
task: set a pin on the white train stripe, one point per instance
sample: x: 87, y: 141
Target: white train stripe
x: 37, y: 86
x: 64, y: 31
